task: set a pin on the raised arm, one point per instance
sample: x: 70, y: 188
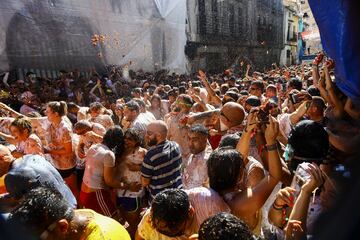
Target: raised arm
x: 12, y: 112
x: 203, y: 116
x: 338, y: 105
x: 243, y: 145
x: 301, y: 206
x: 215, y: 99
x: 248, y: 202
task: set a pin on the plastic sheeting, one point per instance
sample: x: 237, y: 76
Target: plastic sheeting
x: 338, y: 22
x: 62, y: 34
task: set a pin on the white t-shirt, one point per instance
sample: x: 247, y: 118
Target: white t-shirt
x: 98, y: 157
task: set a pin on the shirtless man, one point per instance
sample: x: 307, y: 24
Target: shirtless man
x: 178, y: 131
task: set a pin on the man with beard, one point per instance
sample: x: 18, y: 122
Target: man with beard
x: 161, y: 168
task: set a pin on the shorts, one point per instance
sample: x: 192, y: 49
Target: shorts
x: 66, y: 173
x: 130, y: 204
x: 79, y: 177
x: 99, y: 201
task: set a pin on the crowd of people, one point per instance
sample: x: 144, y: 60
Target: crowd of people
x: 136, y: 155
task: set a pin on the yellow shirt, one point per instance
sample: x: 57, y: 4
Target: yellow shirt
x: 103, y: 228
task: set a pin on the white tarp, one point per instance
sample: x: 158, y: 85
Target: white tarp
x: 63, y: 34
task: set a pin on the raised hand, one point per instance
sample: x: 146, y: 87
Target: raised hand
x: 272, y: 131
x: 293, y: 230
x: 285, y: 196
x: 330, y: 64
x: 316, y: 179
x: 202, y: 75
x: 318, y: 59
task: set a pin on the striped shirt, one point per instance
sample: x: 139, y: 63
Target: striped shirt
x: 162, y: 165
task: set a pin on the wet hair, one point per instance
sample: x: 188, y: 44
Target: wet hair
x: 140, y: 102
x: 156, y: 97
x: 271, y: 88
x: 253, y: 101
x: 224, y: 168
x: 173, y: 93
x: 187, y: 99
x: 182, y: 90
x: 95, y: 106
x: 170, y: 206
x: 233, y: 95
x: 295, y: 83
x: 234, y: 89
x: 40, y: 208
x: 135, y: 135
x: 229, y: 141
x: 309, y: 143
x: 224, y: 88
x: 114, y: 139
x: 82, y: 126
x: 244, y: 93
x: 22, y: 123
x: 319, y: 103
x: 137, y: 90
x: 58, y: 107
x: 259, y: 84
x: 313, y: 91
x: 33, y: 114
x: 72, y: 106
x: 224, y: 226
x: 133, y: 106
x: 199, y: 128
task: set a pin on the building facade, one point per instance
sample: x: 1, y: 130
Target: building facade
x: 292, y: 24
x: 221, y: 33
x: 310, y: 34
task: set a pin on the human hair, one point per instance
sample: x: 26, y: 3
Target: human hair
x: 72, y: 106
x: 234, y: 89
x: 137, y: 90
x: 259, y: 84
x: 114, y: 139
x: 224, y: 168
x: 95, y: 106
x: 253, y: 101
x: 133, y: 106
x: 170, y: 206
x: 182, y: 90
x: 33, y: 114
x: 134, y: 134
x: 156, y: 97
x: 58, y: 107
x: 244, y: 93
x: 224, y: 226
x: 199, y: 128
x: 309, y: 142
x: 313, y: 91
x: 173, y: 93
x: 233, y: 95
x: 319, y: 103
x: 295, y: 83
x: 22, y: 123
x: 40, y: 208
x: 187, y: 100
x: 82, y: 126
x: 140, y: 102
x: 224, y: 88
x: 229, y: 141
x: 272, y: 88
